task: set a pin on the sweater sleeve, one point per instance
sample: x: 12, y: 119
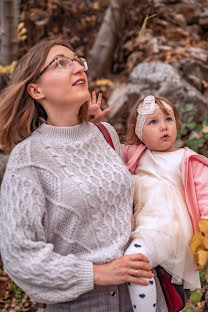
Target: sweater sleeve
x: 29, y: 260
x: 200, y: 171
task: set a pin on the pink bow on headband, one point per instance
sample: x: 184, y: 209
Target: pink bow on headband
x: 148, y: 106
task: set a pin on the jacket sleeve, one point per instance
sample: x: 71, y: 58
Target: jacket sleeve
x: 132, y: 154
x: 200, y: 175
x: 28, y: 258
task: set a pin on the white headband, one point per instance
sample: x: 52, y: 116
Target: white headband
x: 147, y: 107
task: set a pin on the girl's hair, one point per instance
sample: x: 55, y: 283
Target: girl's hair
x: 131, y: 136
x: 20, y: 114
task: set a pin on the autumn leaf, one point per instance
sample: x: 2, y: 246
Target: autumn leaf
x: 103, y: 82
x: 205, y: 129
x: 8, y: 69
x: 96, y: 5
x: 21, y: 32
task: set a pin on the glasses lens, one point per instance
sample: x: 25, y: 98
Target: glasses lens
x: 64, y: 62
x: 83, y: 62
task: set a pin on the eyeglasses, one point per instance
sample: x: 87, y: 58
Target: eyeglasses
x: 65, y: 63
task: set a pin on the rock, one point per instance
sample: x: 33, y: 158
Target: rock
x: 198, y: 53
x: 3, y: 162
x: 133, y: 59
x: 195, y: 68
x: 190, y: 11
x: 195, y: 81
x: 117, y: 100
x: 203, y: 19
x: 152, y: 47
x: 180, y: 20
x: 195, y: 31
x: 162, y: 79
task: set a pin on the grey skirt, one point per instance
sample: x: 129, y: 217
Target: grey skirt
x: 101, y: 299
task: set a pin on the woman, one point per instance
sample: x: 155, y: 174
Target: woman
x: 66, y: 197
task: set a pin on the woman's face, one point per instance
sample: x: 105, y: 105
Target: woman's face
x: 63, y: 86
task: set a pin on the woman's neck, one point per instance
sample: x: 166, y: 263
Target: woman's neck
x: 67, y: 120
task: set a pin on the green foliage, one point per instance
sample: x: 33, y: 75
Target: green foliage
x: 196, y: 295
x: 195, y: 299
x: 202, y: 275
x: 188, y: 122
x: 195, y: 143
x: 189, y: 309
x: 16, y: 291
x: 189, y: 125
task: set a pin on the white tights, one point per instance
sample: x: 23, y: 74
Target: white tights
x: 143, y: 298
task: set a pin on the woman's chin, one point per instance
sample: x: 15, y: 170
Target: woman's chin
x: 86, y: 97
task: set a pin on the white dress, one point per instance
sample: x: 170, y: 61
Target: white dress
x: 161, y: 217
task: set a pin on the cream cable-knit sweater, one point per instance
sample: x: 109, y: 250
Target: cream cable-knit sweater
x: 66, y: 202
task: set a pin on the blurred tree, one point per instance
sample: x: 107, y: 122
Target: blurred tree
x: 100, y: 58
x: 9, y: 19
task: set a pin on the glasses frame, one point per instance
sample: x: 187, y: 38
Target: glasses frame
x: 82, y: 61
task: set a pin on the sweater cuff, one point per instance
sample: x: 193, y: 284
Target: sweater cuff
x: 85, y: 278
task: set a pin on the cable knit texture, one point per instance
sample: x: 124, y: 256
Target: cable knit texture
x: 66, y: 201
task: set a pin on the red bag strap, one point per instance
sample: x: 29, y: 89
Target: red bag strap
x: 105, y: 133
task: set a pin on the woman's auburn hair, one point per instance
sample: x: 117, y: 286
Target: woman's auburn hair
x: 20, y: 114
x: 131, y: 136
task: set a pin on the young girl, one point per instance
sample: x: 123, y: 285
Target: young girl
x: 171, y: 195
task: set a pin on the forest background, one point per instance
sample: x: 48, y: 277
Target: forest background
x: 134, y: 48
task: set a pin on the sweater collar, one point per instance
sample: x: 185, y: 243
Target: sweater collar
x: 73, y: 133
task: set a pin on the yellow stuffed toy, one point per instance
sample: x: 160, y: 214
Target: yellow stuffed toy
x: 199, y: 245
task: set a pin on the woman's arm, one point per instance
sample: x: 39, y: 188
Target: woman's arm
x: 28, y: 258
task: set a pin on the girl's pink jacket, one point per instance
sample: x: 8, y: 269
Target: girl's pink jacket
x: 195, y: 179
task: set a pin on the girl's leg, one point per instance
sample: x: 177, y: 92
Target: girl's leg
x: 143, y: 298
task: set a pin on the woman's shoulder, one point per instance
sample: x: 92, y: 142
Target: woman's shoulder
x: 114, y: 137
x: 110, y: 128
x: 112, y: 132
x: 21, y: 153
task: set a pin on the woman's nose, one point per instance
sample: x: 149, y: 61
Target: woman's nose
x: 77, y: 67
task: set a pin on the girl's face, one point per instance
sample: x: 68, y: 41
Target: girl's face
x: 159, y: 131
x: 63, y: 86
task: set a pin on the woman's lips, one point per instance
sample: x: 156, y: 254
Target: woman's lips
x: 79, y: 82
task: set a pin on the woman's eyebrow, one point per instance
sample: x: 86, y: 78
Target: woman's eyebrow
x: 63, y: 55
x: 58, y: 55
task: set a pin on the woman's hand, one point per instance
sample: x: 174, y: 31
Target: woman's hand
x: 95, y: 112
x: 128, y: 268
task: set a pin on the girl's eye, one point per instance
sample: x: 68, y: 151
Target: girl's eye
x: 153, y: 122
x: 168, y: 119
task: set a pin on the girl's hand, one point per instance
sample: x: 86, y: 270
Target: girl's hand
x: 95, y: 111
x: 128, y: 268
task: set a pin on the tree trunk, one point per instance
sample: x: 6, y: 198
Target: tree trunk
x: 9, y: 19
x: 100, y: 58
